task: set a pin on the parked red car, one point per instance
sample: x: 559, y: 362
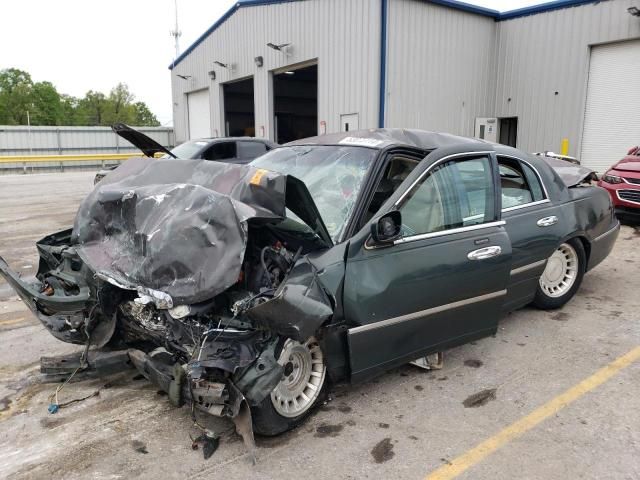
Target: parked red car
x: 622, y: 181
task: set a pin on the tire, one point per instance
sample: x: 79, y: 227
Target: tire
x: 562, y: 276
x: 305, y: 377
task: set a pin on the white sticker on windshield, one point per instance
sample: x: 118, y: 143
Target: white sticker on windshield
x: 364, y: 142
x: 201, y: 143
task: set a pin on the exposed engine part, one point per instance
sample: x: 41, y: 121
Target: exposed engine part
x: 275, y: 262
x: 211, y: 397
x: 146, y: 315
x: 180, y: 311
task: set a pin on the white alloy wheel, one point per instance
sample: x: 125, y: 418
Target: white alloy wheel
x: 561, y: 271
x: 302, y: 380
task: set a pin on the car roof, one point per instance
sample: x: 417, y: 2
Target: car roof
x: 380, y: 138
x: 231, y: 139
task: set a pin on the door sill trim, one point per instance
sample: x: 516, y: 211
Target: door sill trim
x: 426, y: 313
x: 529, y: 266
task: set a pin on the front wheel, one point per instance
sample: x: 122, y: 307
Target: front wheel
x: 562, y: 275
x: 300, y: 389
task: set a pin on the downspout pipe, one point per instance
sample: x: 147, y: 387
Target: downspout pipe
x: 383, y: 61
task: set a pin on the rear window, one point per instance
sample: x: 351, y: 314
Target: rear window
x: 220, y: 151
x: 251, y: 150
x: 188, y: 150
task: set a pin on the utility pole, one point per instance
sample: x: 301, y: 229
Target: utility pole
x: 176, y: 33
x: 29, y: 134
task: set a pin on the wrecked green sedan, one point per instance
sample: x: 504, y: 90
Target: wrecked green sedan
x: 244, y: 290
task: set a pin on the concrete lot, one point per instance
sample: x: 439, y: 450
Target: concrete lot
x: 406, y: 424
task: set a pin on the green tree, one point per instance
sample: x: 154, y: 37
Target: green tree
x: 143, y: 115
x: 46, y: 106
x: 92, y: 108
x: 69, y: 106
x: 119, y: 105
x: 16, y: 89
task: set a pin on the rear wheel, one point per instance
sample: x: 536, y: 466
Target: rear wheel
x: 299, y: 390
x: 562, y: 275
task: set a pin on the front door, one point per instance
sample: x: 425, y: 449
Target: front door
x: 443, y: 282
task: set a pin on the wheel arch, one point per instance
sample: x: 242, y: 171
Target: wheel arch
x: 582, y: 238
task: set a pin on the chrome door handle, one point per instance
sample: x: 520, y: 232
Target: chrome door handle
x: 547, y: 221
x: 486, y: 252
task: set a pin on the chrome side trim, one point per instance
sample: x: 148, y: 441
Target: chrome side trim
x: 624, y: 199
x: 427, y: 312
x: 434, y: 164
x: 525, y: 205
x: 607, y: 233
x: 452, y: 231
x: 626, y: 180
x: 535, y: 170
x: 529, y: 266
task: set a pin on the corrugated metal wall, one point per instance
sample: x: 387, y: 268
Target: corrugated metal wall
x: 20, y: 140
x: 542, y: 54
x: 440, y: 67
x: 342, y: 34
x: 445, y: 67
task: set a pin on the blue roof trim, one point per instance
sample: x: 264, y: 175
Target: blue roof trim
x: 466, y: 7
x: 383, y: 62
x: 221, y: 20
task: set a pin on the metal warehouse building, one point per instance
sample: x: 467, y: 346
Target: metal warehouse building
x: 532, y: 77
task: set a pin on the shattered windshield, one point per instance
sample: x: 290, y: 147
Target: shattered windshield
x: 332, y: 174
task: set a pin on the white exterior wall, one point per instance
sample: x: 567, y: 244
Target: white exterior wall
x: 342, y: 34
x: 440, y: 67
x: 549, y: 52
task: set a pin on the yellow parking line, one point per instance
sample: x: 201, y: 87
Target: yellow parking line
x: 12, y: 322
x: 486, y: 448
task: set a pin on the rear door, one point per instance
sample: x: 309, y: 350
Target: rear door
x: 444, y: 281
x: 534, y: 225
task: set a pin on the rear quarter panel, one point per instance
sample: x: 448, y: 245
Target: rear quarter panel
x: 589, y: 214
x: 585, y: 211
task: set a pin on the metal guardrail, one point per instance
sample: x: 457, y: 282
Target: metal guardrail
x: 31, y: 163
x: 65, y: 158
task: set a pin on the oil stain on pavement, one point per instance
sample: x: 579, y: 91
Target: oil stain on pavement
x: 327, y: 430
x: 481, y: 398
x: 473, y: 363
x: 383, y: 451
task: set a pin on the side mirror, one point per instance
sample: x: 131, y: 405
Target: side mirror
x: 386, y: 229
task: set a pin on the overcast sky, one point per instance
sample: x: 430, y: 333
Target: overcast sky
x: 81, y: 45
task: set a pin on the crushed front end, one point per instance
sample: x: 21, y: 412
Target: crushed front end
x: 203, y: 288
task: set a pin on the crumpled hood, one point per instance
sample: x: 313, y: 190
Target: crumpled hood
x: 177, y: 226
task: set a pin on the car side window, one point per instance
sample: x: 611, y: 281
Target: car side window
x: 220, y: 151
x: 250, y: 150
x: 519, y: 185
x: 454, y: 194
x: 534, y: 183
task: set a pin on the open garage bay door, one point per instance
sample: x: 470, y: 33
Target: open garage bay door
x: 199, y: 111
x: 612, y: 115
x: 239, y: 110
x: 295, y: 104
